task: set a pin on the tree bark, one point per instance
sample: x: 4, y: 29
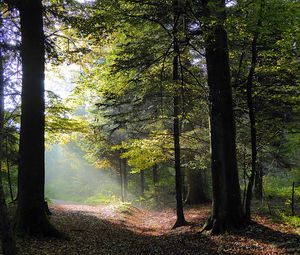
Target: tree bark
x: 226, y: 199
x: 7, y: 237
x: 31, y: 218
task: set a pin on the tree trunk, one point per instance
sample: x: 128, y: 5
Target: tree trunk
x: 155, y: 183
x: 8, y: 172
x: 121, y: 180
x: 258, y: 185
x: 142, y: 174
x: 155, y: 174
x: 251, y: 111
x: 178, y: 176
x: 125, y: 177
x: 226, y: 199
x: 6, y: 233
x: 31, y: 218
x: 8, y: 240
x: 176, y: 126
x: 195, y: 192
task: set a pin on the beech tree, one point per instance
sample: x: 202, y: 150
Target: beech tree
x: 31, y: 217
x: 226, y: 206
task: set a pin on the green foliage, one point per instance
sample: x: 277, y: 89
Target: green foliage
x: 280, y: 185
x: 102, y: 199
x: 292, y: 220
x: 143, y: 154
x: 61, y: 124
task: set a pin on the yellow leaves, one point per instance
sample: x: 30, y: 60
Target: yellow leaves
x: 102, y: 163
x: 144, y: 153
x: 3, y: 167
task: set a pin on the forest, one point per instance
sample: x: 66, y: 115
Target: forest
x: 149, y: 127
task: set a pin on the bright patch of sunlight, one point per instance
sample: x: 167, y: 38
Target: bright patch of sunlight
x: 61, y: 79
x: 71, y: 178
x: 85, y: 1
x: 230, y: 3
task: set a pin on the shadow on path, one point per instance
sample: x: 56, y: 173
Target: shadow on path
x: 90, y: 234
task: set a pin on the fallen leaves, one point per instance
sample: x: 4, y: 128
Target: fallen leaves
x: 108, y: 230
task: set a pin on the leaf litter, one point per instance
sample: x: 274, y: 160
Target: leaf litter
x: 112, y: 230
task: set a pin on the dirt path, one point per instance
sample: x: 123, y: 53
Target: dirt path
x: 109, y: 229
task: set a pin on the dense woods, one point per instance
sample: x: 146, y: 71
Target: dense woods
x: 174, y: 119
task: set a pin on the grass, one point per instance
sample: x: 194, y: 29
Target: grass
x: 101, y: 199
x: 278, y: 198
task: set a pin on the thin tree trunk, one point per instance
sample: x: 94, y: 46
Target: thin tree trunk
x: 31, y: 217
x: 8, y: 240
x: 251, y: 110
x: 8, y: 172
x: 176, y: 126
x: 178, y: 176
x: 142, y: 175
x: 226, y: 205
x: 258, y: 185
x: 125, y: 177
x: 155, y: 174
x: 7, y: 236
x: 121, y: 180
x: 155, y: 183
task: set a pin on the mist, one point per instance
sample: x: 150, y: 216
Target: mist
x: 71, y: 178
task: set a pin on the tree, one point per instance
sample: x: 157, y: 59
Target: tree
x: 8, y: 240
x: 265, y: 85
x: 195, y: 187
x: 176, y: 112
x: 31, y: 217
x: 226, y: 205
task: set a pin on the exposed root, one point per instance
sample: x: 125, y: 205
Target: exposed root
x: 180, y: 223
x: 217, y: 226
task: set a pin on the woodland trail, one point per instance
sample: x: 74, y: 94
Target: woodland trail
x: 126, y: 230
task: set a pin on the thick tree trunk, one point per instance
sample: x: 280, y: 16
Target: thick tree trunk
x: 31, y: 218
x: 195, y: 192
x: 6, y: 233
x: 226, y: 205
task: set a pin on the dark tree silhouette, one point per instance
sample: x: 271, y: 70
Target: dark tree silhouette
x: 176, y: 125
x: 31, y: 217
x: 227, y: 209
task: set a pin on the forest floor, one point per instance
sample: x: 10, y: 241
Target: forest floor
x: 114, y: 230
